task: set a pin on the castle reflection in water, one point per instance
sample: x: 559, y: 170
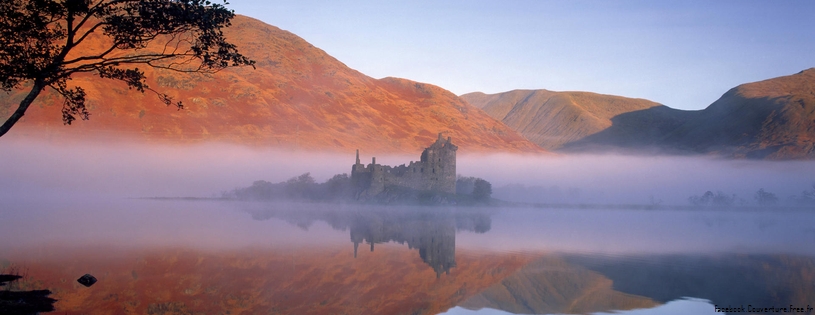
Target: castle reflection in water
x: 430, y: 230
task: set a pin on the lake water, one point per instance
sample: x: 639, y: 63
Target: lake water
x: 229, y: 257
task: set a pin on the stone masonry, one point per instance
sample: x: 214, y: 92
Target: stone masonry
x: 435, y: 171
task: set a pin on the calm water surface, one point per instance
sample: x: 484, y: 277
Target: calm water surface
x: 221, y: 257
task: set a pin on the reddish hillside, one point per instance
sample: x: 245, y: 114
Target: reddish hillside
x: 298, y: 97
x: 551, y: 119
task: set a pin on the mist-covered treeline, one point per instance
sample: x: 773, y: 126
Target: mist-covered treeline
x: 761, y: 197
x: 806, y: 198
x: 556, y: 195
x: 478, y: 188
x: 302, y: 187
x: 469, y: 190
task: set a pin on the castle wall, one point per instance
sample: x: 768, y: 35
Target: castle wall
x: 436, y: 171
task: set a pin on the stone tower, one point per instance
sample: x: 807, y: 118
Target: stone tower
x: 435, y: 171
x: 439, y: 162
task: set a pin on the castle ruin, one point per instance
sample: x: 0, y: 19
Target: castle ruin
x: 435, y: 171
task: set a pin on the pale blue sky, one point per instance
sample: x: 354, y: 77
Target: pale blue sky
x: 684, y: 54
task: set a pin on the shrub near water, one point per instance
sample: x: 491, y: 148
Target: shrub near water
x: 469, y: 190
x: 711, y: 199
x: 302, y: 187
x: 764, y: 198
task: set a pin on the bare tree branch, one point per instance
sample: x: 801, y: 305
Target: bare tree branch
x: 36, y: 36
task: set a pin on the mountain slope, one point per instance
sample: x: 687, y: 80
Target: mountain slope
x: 551, y: 119
x: 298, y: 97
x: 770, y: 119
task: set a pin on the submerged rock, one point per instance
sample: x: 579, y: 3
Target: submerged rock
x: 87, y: 280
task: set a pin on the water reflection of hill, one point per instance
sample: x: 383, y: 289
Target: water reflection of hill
x: 551, y: 285
x: 735, y: 279
x: 431, y: 231
x: 576, y: 284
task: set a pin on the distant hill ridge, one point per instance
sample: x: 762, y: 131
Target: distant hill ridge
x: 770, y: 119
x: 551, y: 119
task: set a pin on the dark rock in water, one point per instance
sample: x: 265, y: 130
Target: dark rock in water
x: 23, y: 302
x: 87, y: 280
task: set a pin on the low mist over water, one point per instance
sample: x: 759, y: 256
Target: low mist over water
x: 40, y: 169
x: 628, y: 179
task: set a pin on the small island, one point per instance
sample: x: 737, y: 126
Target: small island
x: 430, y: 181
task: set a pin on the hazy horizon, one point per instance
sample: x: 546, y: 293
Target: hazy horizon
x: 129, y: 170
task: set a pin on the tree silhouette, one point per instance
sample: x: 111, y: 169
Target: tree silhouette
x: 711, y: 199
x: 765, y: 198
x: 482, y: 190
x: 39, y: 40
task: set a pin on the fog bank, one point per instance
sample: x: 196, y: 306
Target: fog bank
x: 615, y: 179
x: 121, y: 170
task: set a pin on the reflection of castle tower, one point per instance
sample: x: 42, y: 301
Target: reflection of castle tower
x: 435, y: 171
x: 438, y: 248
x: 435, y: 238
x: 431, y: 231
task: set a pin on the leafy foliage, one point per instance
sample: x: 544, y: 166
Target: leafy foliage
x: 302, y: 187
x: 478, y: 188
x: 765, y: 198
x: 482, y: 190
x: 711, y: 199
x: 18, y: 296
x: 340, y: 188
x: 465, y: 185
x: 37, y: 37
x: 807, y: 198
